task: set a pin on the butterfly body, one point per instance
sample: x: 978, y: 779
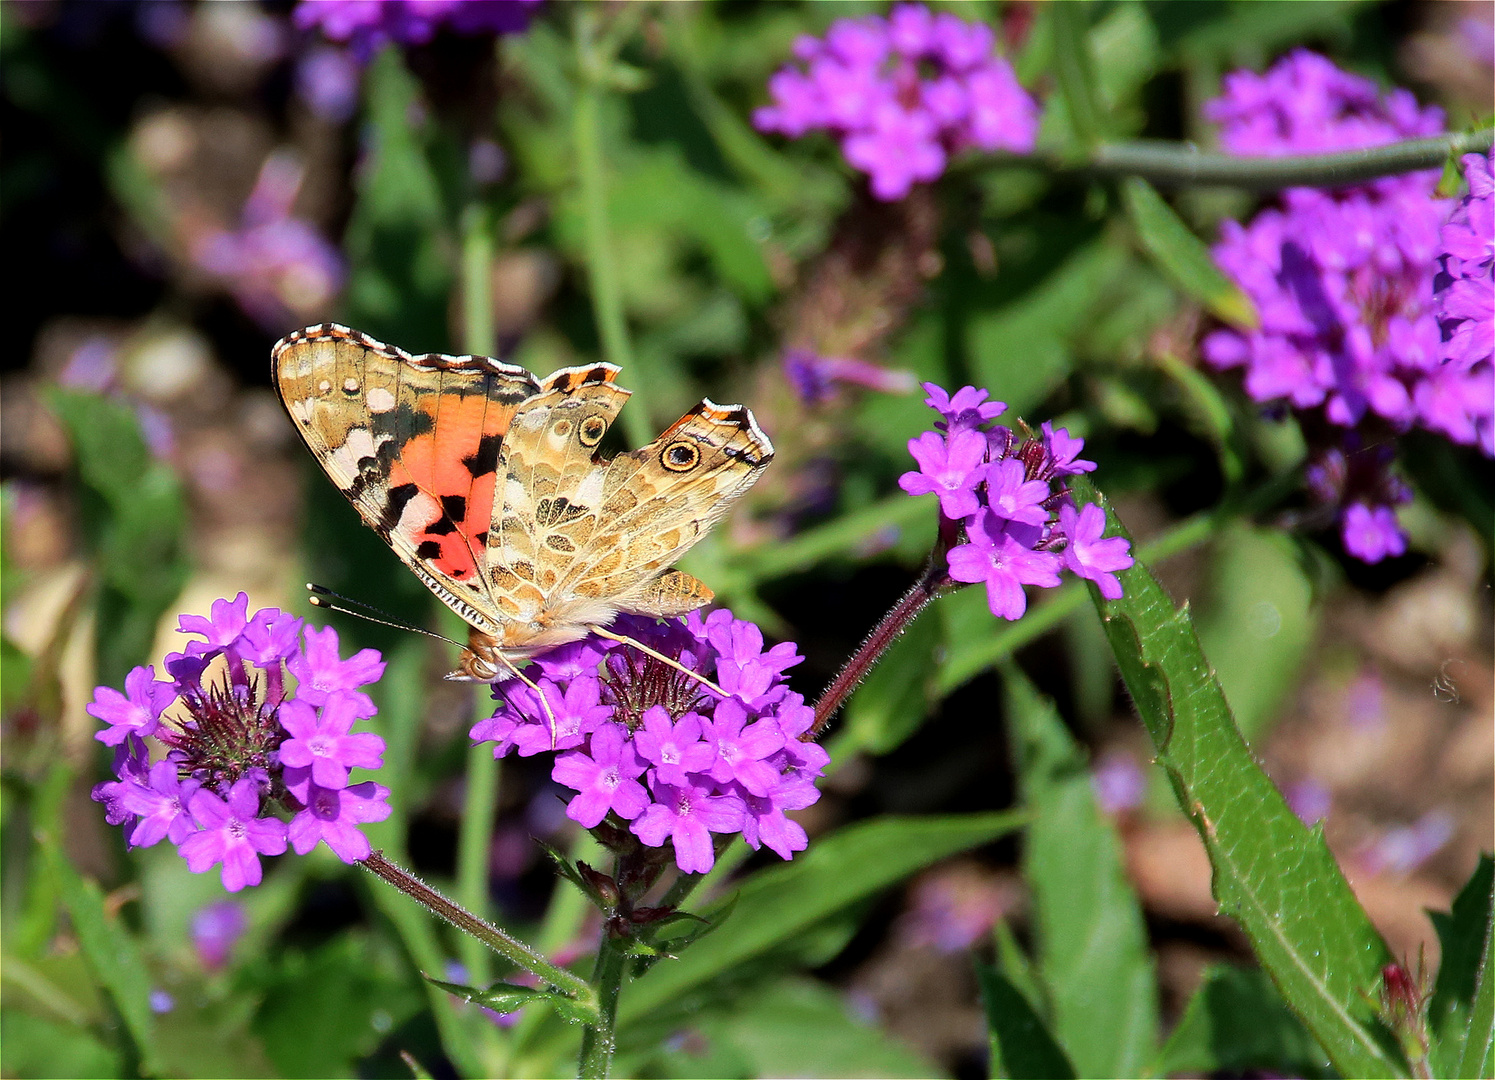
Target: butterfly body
x: 486, y: 481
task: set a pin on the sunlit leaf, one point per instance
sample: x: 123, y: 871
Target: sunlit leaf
x: 1271, y: 873
x: 1181, y: 255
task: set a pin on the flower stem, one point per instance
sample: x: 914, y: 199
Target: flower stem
x: 600, y: 1040
x: 1166, y: 162
x: 593, y: 57
x: 932, y: 580
x: 511, y: 948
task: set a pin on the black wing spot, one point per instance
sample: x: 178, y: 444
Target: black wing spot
x: 485, y: 459
x: 481, y: 539
x: 455, y: 507
x: 442, y: 526
x: 394, y: 505
x: 428, y: 549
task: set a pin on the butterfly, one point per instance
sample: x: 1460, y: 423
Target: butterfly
x: 487, y: 482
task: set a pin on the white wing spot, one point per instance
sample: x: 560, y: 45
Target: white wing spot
x: 380, y: 400
x: 350, y: 384
x: 325, y: 386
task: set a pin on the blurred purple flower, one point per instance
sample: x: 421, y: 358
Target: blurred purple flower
x: 1403, y: 850
x: 902, y: 94
x: 1118, y: 782
x: 658, y: 752
x: 216, y: 929
x: 1457, y: 395
x: 814, y: 378
x: 1342, y: 282
x: 242, y: 744
x: 368, y: 25
x: 327, y: 81
x: 953, y: 910
x: 1310, y: 800
x: 93, y: 365
x: 279, y: 268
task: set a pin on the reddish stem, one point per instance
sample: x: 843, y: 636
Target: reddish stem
x: 932, y: 581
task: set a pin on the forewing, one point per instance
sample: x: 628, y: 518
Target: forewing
x: 413, y: 442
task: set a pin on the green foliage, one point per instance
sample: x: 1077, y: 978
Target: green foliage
x: 1236, y: 1022
x: 1091, y: 942
x: 1460, y: 1014
x: 1273, y: 875
x: 133, y: 514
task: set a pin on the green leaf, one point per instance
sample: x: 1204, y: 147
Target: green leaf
x: 1181, y: 256
x: 400, y: 242
x: 1271, y: 873
x: 1021, y: 1046
x: 775, y: 905
x: 1075, y: 67
x: 1259, y: 623
x: 1463, y: 934
x: 794, y: 1027
x: 134, y: 514
x: 505, y: 997
x: 894, y: 700
x: 38, y: 1046
x: 1236, y: 1022
x: 110, y: 949
x: 1092, y: 944
x: 1479, y: 1050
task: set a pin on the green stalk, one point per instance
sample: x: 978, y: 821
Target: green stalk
x: 1175, y: 163
x: 592, y: 60
x: 507, y: 946
x: 599, y: 1041
x: 481, y: 797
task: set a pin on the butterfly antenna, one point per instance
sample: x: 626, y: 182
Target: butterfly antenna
x: 676, y: 664
x: 544, y: 702
x: 323, y: 597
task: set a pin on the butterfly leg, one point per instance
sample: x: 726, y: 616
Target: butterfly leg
x: 676, y: 664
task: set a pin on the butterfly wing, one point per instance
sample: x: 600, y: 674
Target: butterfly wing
x: 658, y: 501
x: 414, y: 443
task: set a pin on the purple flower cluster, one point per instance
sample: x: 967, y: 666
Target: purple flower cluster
x: 1465, y: 300
x: 902, y: 94
x: 1020, y: 525
x: 649, y: 748
x: 240, y: 744
x: 366, y: 26
x: 1342, y: 281
x: 279, y: 268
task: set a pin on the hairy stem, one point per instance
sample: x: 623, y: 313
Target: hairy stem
x: 1166, y: 163
x: 511, y: 948
x: 598, y: 1041
x: 934, y: 578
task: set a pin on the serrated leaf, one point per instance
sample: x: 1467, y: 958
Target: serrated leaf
x: 1236, y: 1022
x: 1271, y: 874
x: 1462, y: 934
x: 1092, y: 944
x: 775, y: 905
x: 1021, y: 1046
x: 111, y: 951
x: 1181, y: 256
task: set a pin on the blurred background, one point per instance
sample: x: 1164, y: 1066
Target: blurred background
x: 183, y: 183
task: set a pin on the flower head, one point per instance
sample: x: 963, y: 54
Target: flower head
x: 253, y: 722
x: 902, y: 94
x: 1342, y: 280
x: 1008, y: 497
x: 658, y: 752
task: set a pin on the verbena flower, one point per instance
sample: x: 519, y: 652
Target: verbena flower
x: 366, y: 26
x: 1007, y: 492
x: 254, y: 730
x: 1457, y: 394
x: 653, y: 751
x: 814, y: 378
x: 278, y: 267
x: 902, y: 94
x: 1343, y: 283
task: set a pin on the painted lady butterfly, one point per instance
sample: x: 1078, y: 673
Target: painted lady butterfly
x: 485, y: 480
